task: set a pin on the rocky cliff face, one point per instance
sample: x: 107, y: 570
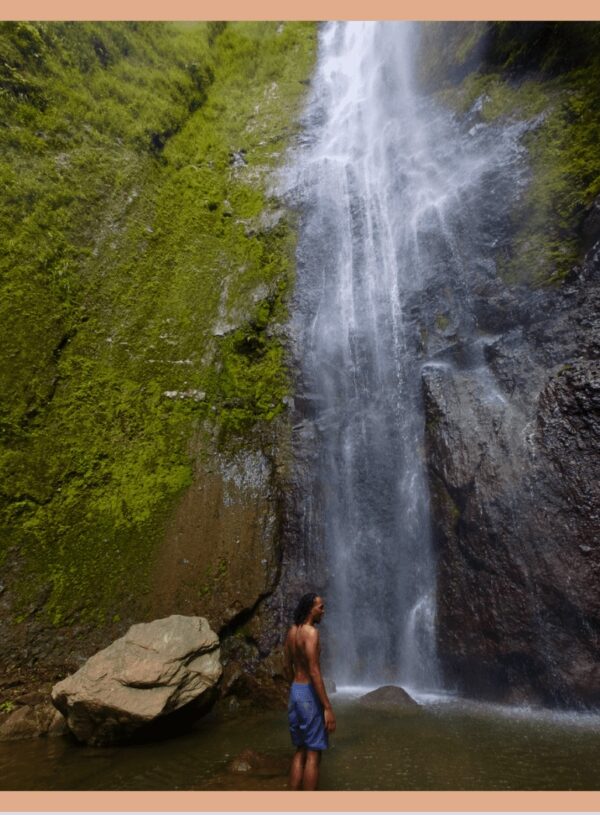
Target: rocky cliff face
x: 513, y: 461
x: 515, y: 496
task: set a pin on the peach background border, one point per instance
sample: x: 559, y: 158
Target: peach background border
x: 319, y: 801
x: 303, y: 802
x: 301, y: 10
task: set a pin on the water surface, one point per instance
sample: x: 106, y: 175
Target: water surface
x: 446, y: 744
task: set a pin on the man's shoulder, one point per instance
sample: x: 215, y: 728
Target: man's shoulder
x: 311, y: 632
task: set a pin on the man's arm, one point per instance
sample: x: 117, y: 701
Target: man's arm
x: 288, y: 662
x: 313, y: 654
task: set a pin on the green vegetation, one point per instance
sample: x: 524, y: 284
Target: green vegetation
x: 213, y: 577
x: 548, y: 73
x: 442, y: 321
x: 143, y: 270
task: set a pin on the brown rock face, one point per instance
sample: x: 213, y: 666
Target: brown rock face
x: 221, y: 552
x: 222, y: 558
x: 151, y: 673
x: 515, y: 480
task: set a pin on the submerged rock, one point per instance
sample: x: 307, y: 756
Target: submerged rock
x: 251, y: 762
x: 388, y: 696
x: 141, y: 681
x: 32, y: 721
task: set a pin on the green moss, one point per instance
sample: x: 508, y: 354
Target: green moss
x: 442, y: 321
x: 432, y: 423
x: 213, y: 578
x: 547, y: 73
x: 131, y: 233
x: 566, y: 181
x: 448, y: 51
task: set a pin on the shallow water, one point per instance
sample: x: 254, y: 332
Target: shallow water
x: 446, y: 744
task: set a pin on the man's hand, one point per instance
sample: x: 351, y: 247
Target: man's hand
x: 329, y: 720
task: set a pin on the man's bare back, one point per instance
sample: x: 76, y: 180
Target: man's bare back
x: 298, y: 642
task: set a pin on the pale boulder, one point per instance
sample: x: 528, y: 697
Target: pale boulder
x: 141, y: 680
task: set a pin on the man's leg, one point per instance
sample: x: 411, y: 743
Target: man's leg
x: 311, y: 770
x: 297, y: 768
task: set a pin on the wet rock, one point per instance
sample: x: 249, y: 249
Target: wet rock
x: 142, y: 680
x: 237, y: 158
x: 21, y: 724
x: 230, y: 706
x: 29, y: 722
x: 32, y: 698
x: 251, y: 762
x: 514, y: 472
x: 388, y: 696
x: 192, y: 393
x: 58, y: 724
x: 224, y: 534
x: 255, y: 681
x: 591, y: 225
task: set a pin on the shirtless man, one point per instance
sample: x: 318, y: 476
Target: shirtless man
x: 309, y: 710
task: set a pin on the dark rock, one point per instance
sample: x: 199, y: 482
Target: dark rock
x: 388, y: 696
x: 255, y: 681
x: 590, y: 228
x: 514, y: 470
x: 33, y: 698
x: 231, y: 706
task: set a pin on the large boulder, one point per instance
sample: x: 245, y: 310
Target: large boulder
x: 142, y: 681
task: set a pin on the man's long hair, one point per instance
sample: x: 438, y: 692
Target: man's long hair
x: 304, y: 607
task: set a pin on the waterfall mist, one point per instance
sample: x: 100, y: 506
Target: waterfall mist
x: 389, y: 194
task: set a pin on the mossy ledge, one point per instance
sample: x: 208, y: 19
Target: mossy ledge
x: 547, y: 73
x: 146, y: 269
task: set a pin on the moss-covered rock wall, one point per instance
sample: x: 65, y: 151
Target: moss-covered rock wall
x: 549, y: 74
x: 145, y: 270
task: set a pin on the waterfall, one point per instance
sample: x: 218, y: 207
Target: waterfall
x: 387, y: 194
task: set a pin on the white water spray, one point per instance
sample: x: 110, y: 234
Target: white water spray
x: 386, y: 190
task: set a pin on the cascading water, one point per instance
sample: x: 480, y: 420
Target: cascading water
x: 386, y: 189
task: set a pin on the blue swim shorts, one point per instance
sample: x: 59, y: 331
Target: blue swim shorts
x: 306, y: 718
